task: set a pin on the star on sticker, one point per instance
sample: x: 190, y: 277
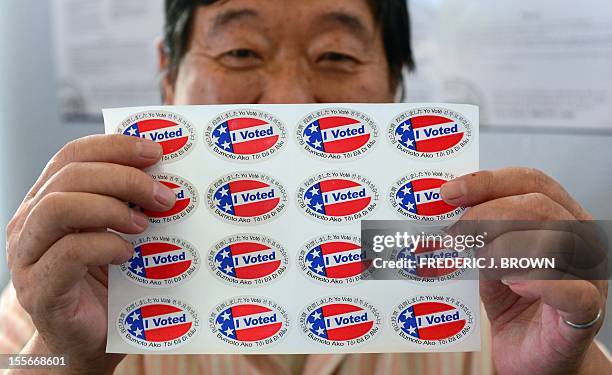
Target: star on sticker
x: 225, y: 145
x: 218, y: 326
x: 408, y: 314
x: 227, y: 208
x: 129, y: 327
x: 406, y: 190
x: 225, y: 316
x: 409, y: 142
x: 132, y: 131
x: 138, y: 269
x: 215, y: 139
x: 225, y: 253
x: 320, y: 331
x: 316, y: 315
x: 313, y: 128
x: 229, y: 331
x: 138, y: 332
x: 306, y: 138
x: 411, y: 330
x: 308, y: 263
x: 216, y: 202
x: 222, y: 130
x: 310, y: 326
x: 315, y: 254
x: 399, y: 200
x: 223, y: 192
x: 313, y: 191
x: 317, y: 144
x: 319, y: 269
x: 410, y: 206
x: 307, y: 201
x: 318, y: 207
x: 405, y: 127
x: 217, y: 264
x: 135, y: 316
x: 228, y: 269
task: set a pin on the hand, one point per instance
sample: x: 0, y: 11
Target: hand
x: 59, y: 246
x: 527, y: 316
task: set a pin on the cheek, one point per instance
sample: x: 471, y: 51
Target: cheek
x: 209, y: 84
x: 364, y: 87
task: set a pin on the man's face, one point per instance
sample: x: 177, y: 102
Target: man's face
x: 284, y: 51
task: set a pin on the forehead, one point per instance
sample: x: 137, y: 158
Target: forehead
x: 278, y: 14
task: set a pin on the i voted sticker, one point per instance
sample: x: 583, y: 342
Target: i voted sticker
x: 173, y: 132
x: 430, y: 133
x: 337, y: 197
x: 337, y: 134
x: 340, y: 321
x: 187, y: 200
x: 334, y: 259
x: 245, y: 135
x: 249, y: 322
x: 246, y: 198
x: 158, y: 323
x: 248, y: 260
x: 417, y: 196
x: 432, y: 321
x: 161, y: 261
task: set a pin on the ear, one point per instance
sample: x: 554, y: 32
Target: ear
x: 166, y: 83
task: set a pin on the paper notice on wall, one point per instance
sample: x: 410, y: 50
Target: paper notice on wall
x: 105, y: 54
x: 262, y: 251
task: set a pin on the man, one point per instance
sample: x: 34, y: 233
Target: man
x: 257, y: 51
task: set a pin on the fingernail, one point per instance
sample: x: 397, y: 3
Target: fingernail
x: 453, y: 190
x: 140, y: 220
x: 510, y: 280
x: 164, y: 195
x: 149, y: 150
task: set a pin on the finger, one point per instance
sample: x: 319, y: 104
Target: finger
x: 577, y: 301
x: 59, y: 214
x: 531, y: 206
x: 116, y: 149
x: 128, y: 184
x: 483, y: 186
x: 67, y: 262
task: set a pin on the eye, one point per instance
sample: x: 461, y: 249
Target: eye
x: 336, y: 57
x: 241, y: 58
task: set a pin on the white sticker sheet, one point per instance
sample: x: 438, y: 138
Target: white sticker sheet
x: 261, y: 252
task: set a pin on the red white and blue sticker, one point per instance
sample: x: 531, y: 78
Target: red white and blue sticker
x: 340, y: 321
x: 158, y: 323
x: 334, y: 259
x: 433, y: 248
x: 337, y: 134
x: 246, y: 198
x: 187, y: 200
x: 432, y: 321
x: 248, y: 260
x: 173, y: 132
x: 430, y: 133
x: 337, y: 197
x: 249, y: 322
x: 417, y: 196
x: 161, y: 261
x: 245, y: 135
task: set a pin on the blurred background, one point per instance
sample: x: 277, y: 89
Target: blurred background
x: 540, y: 70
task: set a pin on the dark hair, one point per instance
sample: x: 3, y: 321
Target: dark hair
x: 391, y: 15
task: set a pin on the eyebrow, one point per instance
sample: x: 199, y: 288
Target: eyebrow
x: 230, y: 16
x: 350, y: 21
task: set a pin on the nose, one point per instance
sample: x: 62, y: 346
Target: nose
x: 287, y: 83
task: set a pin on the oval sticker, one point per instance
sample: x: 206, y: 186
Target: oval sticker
x: 337, y: 197
x: 161, y: 261
x: 248, y: 260
x: 430, y: 133
x: 173, y: 132
x: 249, y: 322
x: 337, y: 134
x: 246, y: 198
x: 432, y: 320
x: 245, y: 135
x: 417, y: 196
x: 334, y: 259
x: 340, y: 321
x: 187, y: 199
x: 158, y: 323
